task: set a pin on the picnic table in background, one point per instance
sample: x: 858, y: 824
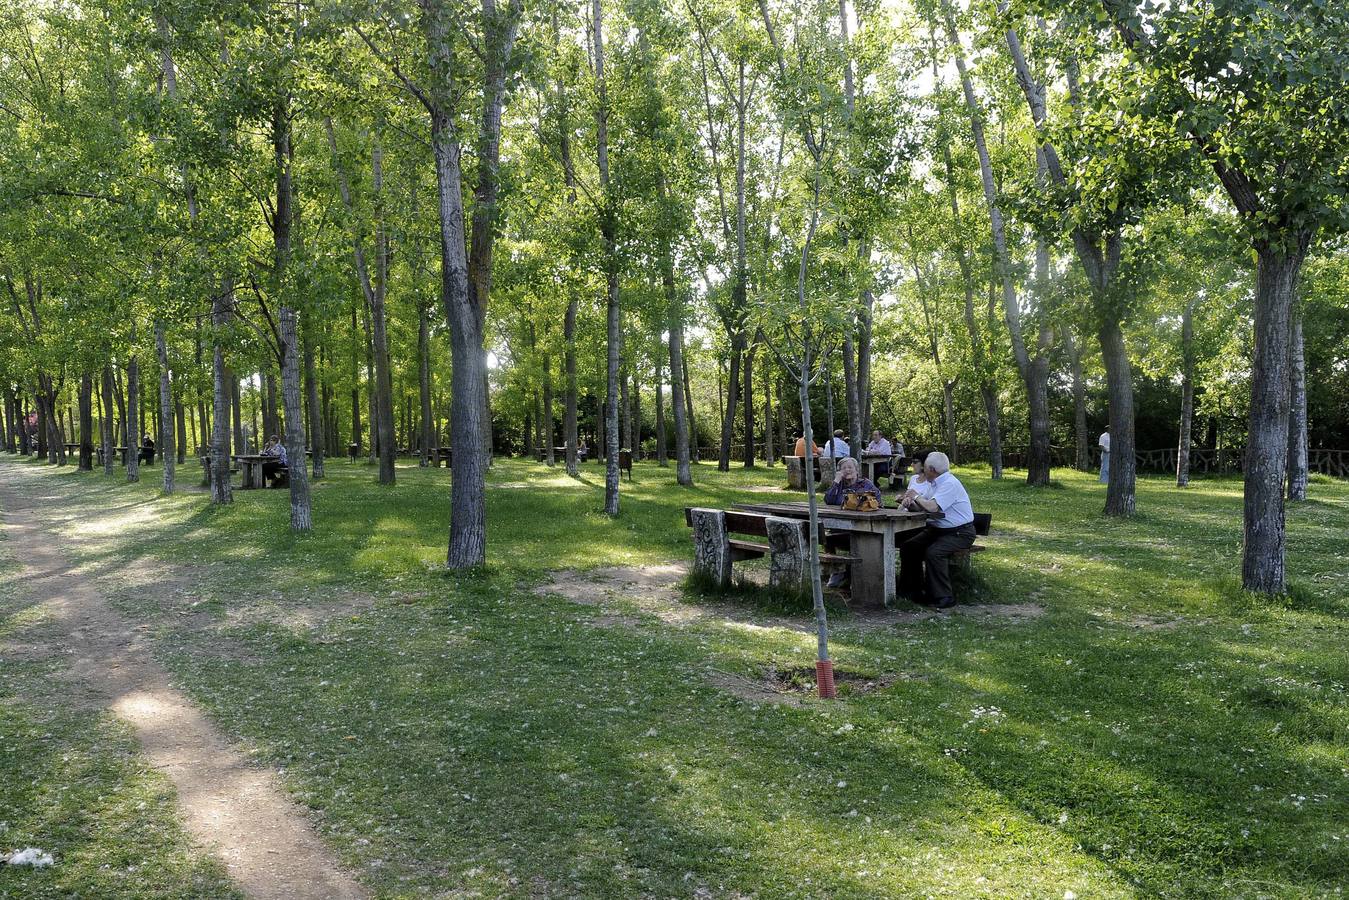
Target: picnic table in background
x: 869, y: 462
x: 250, y: 465
x: 872, y: 536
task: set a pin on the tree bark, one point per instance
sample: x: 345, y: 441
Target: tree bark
x: 678, y: 372
x: 549, y: 454
x: 1297, y: 408
x: 317, y: 438
x: 688, y: 401
x: 768, y: 384
x: 133, y: 404
x: 424, y: 381
x: 168, y: 455
x: 465, y: 282
x: 1263, y: 553
x: 86, y: 423
x: 357, y: 434
x: 221, y: 310
x: 1186, y: 394
x: 732, y: 399
x: 748, y: 394
x: 1082, y: 448
x: 608, y: 231
x: 180, y: 429
x: 662, y: 456
x: 109, y: 438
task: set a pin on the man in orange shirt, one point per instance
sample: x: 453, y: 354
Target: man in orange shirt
x: 801, y: 446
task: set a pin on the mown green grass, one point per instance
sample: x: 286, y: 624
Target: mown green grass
x: 1155, y: 731
x: 73, y: 783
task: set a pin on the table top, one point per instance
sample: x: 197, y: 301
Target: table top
x: 801, y: 509
x: 252, y: 457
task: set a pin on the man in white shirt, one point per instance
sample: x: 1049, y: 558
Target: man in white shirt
x: 924, y: 570
x: 879, y: 446
x: 837, y: 446
x: 1104, y: 443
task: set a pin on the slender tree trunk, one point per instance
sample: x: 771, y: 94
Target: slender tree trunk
x: 688, y: 402
x: 662, y: 456
x: 356, y: 431
x: 424, y: 381
x: 121, y: 407
x: 850, y: 392
x: 109, y: 440
x: 608, y: 231
x: 237, y: 405
x: 1036, y: 388
x: 683, y: 417
x: 167, y: 440
x: 1297, y: 409
x: 1186, y: 394
x: 317, y: 438
x: 1119, y: 384
x: 768, y: 383
x: 749, y: 407
x: 549, y: 453
x: 1082, y: 447
x: 1263, y: 553
x: 732, y: 399
x: 271, y: 422
x: 133, y: 403
x: 223, y: 382
x: 388, y: 444
x: 180, y: 426
x: 86, y: 423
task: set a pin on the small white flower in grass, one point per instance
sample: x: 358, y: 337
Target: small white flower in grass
x: 1069, y: 895
x: 651, y: 732
x: 844, y: 728
x: 842, y: 784
x: 1063, y: 818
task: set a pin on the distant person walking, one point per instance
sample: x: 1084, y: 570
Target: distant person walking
x: 1104, y: 443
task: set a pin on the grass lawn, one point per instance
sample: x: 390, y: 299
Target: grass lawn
x: 1153, y: 732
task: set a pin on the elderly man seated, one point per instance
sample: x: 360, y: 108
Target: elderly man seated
x: 924, y: 572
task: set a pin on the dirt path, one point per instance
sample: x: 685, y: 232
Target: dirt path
x: 237, y: 811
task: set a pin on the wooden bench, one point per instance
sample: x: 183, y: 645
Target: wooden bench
x: 715, y: 550
x: 964, y: 558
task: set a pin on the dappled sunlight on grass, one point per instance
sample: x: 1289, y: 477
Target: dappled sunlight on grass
x: 1150, y: 733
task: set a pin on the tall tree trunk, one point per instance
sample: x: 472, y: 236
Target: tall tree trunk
x: 748, y: 394
x: 1036, y: 389
x: 608, y: 231
x: 1081, y: 445
x: 625, y: 409
x: 109, y: 440
x: 271, y: 422
x: 732, y: 399
x: 1186, y: 394
x: 424, y: 381
x: 222, y: 380
x: 1263, y: 564
x: 317, y: 437
x: 549, y: 453
x: 301, y: 514
x: 829, y: 401
x: 1297, y: 409
x: 695, y: 454
x: 850, y: 392
x: 388, y: 445
x: 768, y: 383
x: 121, y: 407
x: 1119, y: 385
x: 180, y: 429
x: 133, y: 404
x: 662, y: 455
x: 237, y: 410
x: 168, y: 453
x: 678, y: 385
x: 357, y: 433
x: 86, y: 423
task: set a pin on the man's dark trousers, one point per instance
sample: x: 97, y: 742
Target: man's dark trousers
x: 931, y: 550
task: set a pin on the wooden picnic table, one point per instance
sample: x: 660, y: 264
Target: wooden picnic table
x: 250, y: 467
x: 872, y: 536
x: 869, y: 461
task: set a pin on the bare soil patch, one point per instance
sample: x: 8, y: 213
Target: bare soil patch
x: 239, y: 812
